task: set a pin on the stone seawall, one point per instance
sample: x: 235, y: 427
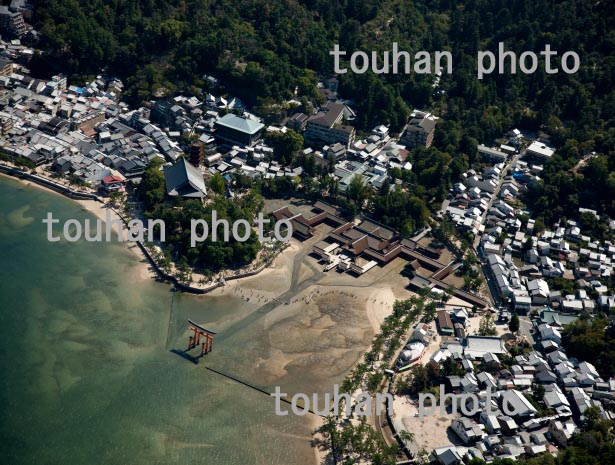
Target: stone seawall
x: 78, y: 195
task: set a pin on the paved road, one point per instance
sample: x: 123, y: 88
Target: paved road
x: 525, y: 328
x: 491, y: 284
x: 495, y: 195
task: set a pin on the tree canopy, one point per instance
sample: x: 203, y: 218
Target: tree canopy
x: 264, y: 52
x: 592, y: 340
x: 208, y: 255
x: 269, y: 53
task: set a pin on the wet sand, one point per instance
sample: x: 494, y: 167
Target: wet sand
x: 291, y: 325
x: 91, y: 349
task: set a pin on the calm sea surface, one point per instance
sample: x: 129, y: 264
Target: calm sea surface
x: 87, y: 375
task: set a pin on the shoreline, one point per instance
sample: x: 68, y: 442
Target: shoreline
x: 378, y: 299
x: 98, y: 209
x: 147, y: 267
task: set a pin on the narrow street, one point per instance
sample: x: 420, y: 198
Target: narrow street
x: 503, y: 175
x: 525, y: 328
x: 491, y: 285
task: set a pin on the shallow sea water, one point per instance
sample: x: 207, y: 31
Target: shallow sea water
x: 86, y: 369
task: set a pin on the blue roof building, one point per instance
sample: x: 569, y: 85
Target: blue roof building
x: 235, y: 130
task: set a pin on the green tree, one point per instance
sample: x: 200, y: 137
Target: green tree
x: 386, y: 187
x: 116, y: 197
x: 357, y: 190
x: 538, y: 392
x: 528, y: 244
x: 592, y: 340
x: 152, y: 187
x: 539, y: 226
x: 486, y: 326
x: 285, y: 145
x: 513, y: 324
x: 217, y: 183
x: 405, y: 435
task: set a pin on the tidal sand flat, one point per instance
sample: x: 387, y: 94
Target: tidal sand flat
x: 87, y: 341
x: 87, y: 375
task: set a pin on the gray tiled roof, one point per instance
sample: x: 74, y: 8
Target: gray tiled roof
x: 245, y: 125
x: 184, y: 180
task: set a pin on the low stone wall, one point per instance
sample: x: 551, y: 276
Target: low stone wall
x: 61, y: 189
x: 17, y: 173
x: 256, y: 271
x: 170, y: 278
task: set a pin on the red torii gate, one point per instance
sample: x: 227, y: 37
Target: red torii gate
x: 195, y: 340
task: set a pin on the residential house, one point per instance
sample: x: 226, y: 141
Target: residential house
x: 419, y: 132
x: 467, y: 430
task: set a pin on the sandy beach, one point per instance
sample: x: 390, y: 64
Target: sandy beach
x: 268, y: 283
x: 99, y: 210
x: 143, y: 269
x: 317, y: 324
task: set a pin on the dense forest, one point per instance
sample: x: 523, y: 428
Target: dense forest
x: 569, y: 184
x: 264, y: 51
